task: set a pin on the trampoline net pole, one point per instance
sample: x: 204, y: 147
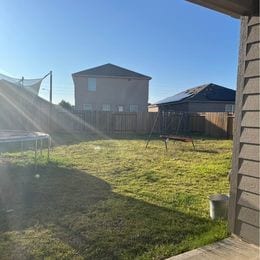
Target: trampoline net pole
x: 35, y: 152
x: 49, y: 146
x: 41, y: 148
x: 22, y: 147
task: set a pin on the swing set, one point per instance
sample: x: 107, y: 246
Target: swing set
x: 164, y: 129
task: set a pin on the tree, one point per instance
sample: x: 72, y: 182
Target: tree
x: 66, y: 105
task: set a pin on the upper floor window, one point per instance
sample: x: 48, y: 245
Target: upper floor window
x: 106, y: 107
x: 133, y: 108
x: 92, y: 84
x: 87, y: 107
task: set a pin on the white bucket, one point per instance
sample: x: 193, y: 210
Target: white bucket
x: 218, y: 205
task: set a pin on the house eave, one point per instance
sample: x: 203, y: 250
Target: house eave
x: 101, y: 76
x: 234, y: 8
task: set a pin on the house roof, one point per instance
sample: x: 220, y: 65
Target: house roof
x: 207, y: 92
x: 110, y: 70
x: 235, y: 8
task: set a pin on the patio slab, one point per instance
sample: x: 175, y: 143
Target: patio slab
x: 228, y: 249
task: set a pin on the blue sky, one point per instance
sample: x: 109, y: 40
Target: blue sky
x: 178, y: 44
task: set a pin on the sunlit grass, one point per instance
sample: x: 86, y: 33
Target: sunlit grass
x: 112, y: 199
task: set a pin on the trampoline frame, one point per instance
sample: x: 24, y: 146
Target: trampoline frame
x: 31, y: 136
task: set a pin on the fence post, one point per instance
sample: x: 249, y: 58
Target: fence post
x: 215, y: 125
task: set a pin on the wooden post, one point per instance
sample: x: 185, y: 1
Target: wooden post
x: 50, y: 110
x: 51, y: 87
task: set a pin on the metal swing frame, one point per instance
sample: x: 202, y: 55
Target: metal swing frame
x: 166, y: 137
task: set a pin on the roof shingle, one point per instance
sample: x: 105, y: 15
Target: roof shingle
x: 206, y: 92
x: 110, y: 70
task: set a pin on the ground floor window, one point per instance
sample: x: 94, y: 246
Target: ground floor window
x: 87, y: 107
x: 106, y: 107
x: 133, y: 108
x: 120, y: 108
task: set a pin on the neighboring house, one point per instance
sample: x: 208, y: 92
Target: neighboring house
x: 244, y: 203
x: 205, y: 98
x: 153, y: 108
x: 111, y: 88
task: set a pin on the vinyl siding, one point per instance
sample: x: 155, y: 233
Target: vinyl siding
x: 250, y: 102
x: 250, y: 136
x: 249, y: 151
x: 250, y: 119
x: 244, y: 229
x: 250, y: 168
x: 244, y: 201
x: 248, y: 183
x: 248, y: 199
x: 197, y: 106
x: 181, y: 107
x: 209, y: 106
x: 248, y: 215
x: 252, y: 86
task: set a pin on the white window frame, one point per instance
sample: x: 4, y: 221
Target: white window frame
x: 92, y: 84
x: 120, y: 108
x: 90, y: 107
x: 133, y: 108
x: 106, y: 107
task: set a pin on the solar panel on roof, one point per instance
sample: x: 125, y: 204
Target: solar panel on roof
x: 177, y: 97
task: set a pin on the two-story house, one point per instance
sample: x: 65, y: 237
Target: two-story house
x: 111, y: 88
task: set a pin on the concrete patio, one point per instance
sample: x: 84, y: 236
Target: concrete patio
x: 228, y: 249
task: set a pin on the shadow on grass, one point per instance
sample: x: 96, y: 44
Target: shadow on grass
x: 46, y: 194
x: 205, y: 151
x: 58, y: 212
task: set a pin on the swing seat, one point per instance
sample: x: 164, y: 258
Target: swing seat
x: 167, y: 138
x: 177, y: 138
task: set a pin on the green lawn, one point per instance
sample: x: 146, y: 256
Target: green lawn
x: 111, y: 199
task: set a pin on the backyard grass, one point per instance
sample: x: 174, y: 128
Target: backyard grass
x: 111, y: 199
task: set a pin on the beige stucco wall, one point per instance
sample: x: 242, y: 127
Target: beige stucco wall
x: 114, y: 91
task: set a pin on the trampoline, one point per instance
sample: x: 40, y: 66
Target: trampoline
x: 17, y: 136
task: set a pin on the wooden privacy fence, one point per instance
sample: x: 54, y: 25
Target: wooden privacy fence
x: 107, y: 122
x: 209, y: 124
x: 22, y: 111
x: 43, y: 117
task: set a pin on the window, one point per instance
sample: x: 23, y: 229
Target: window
x: 133, y: 108
x: 92, y: 84
x: 229, y: 108
x: 120, y: 108
x: 87, y: 107
x: 105, y: 107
